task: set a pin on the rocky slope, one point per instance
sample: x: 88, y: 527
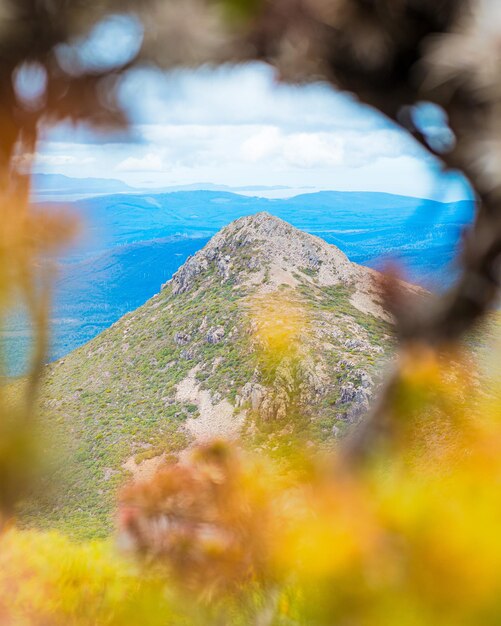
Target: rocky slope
x: 265, y: 334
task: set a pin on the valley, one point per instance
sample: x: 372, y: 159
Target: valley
x: 133, y: 243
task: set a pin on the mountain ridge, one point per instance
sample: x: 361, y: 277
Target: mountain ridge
x: 420, y: 235
x: 285, y: 246
x: 266, y: 334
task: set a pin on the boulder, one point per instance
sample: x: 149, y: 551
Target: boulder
x: 215, y: 335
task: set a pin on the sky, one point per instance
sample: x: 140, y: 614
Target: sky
x: 238, y: 126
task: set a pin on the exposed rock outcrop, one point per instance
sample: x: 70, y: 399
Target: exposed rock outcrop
x: 263, y: 255
x: 266, y: 331
x: 263, y: 241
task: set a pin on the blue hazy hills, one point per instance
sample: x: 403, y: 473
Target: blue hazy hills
x: 133, y: 242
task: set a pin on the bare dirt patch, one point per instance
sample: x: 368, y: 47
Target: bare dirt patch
x: 215, y: 420
x: 146, y: 469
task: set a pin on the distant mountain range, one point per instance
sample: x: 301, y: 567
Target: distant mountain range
x: 134, y: 242
x: 206, y: 357
x: 58, y: 186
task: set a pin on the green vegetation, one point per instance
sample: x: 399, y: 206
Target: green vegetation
x: 114, y: 403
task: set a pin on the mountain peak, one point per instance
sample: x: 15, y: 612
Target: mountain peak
x: 261, y: 220
x: 266, y: 252
x: 201, y: 360
x: 262, y: 225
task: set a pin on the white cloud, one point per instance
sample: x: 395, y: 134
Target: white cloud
x: 362, y: 148
x: 264, y: 143
x: 313, y: 150
x: 151, y: 162
x: 247, y: 94
x: 39, y: 159
x: 238, y: 126
x: 301, y: 150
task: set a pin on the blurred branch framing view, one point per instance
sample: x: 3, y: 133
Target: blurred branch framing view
x: 363, y: 536
x: 391, y: 54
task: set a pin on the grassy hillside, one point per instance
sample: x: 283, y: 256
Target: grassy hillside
x: 267, y: 332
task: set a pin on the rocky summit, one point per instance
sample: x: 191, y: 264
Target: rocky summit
x: 265, y: 334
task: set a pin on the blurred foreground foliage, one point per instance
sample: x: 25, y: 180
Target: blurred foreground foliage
x: 409, y: 538
x: 409, y: 534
